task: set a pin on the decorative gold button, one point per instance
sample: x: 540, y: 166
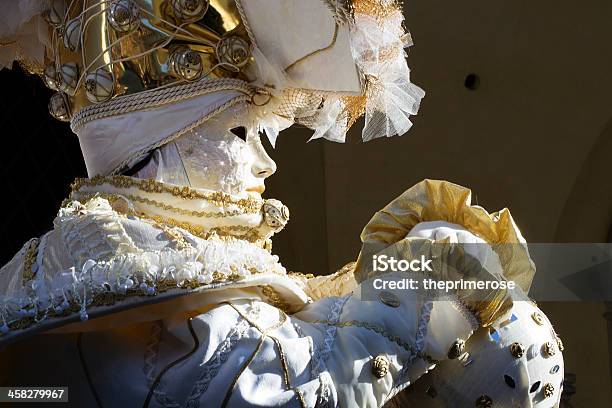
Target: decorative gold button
x: 560, y: 344
x: 380, y: 366
x: 548, y: 390
x: 549, y: 349
x: 456, y: 349
x: 537, y: 318
x: 389, y: 299
x: 484, y: 401
x: 517, y: 350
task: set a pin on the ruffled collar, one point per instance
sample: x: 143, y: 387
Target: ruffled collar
x: 113, y: 267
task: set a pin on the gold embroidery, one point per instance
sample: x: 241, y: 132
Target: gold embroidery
x: 380, y: 9
x: 29, y: 260
x: 273, y: 298
x: 225, y: 233
x: 152, y: 186
x: 167, y: 207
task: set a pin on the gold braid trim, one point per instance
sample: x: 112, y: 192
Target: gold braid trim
x: 152, y: 186
x: 29, y: 260
x: 225, y: 233
x: 252, y: 209
x: 274, y: 298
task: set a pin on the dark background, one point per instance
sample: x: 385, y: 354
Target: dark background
x: 518, y: 109
x: 40, y: 158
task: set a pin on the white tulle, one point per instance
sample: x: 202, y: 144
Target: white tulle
x: 378, y: 51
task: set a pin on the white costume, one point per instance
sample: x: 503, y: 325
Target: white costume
x: 174, y: 261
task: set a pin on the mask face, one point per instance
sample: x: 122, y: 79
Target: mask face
x: 221, y: 160
x: 222, y: 155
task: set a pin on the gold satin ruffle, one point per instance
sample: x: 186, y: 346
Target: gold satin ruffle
x: 437, y: 200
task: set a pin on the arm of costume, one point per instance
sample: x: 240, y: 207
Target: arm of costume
x: 342, y: 350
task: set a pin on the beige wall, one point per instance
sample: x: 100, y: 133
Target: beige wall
x: 533, y: 137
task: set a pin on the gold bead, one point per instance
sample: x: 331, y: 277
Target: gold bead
x: 189, y: 11
x: 484, y: 401
x: 186, y: 64
x: 234, y: 51
x: 380, y: 366
x: 560, y: 344
x: 456, y: 349
x: 549, y: 349
x: 548, y: 390
x: 59, y: 107
x: 50, y: 77
x: 123, y: 16
x: 389, y: 299
x: 68, y: 77
x: 517, y: 350
x: 537, y: 318
x: 276, y: 214
x: 99, y: 85
x: 72, y: 34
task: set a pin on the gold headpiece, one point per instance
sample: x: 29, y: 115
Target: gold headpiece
x: 106, y: 48
x: 320, y: 63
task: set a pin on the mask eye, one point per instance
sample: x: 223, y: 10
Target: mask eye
x: 535, y: 386
x: 509, y: 381
x: 240, y: 131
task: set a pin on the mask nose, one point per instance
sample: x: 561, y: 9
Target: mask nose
x: 263, y: 166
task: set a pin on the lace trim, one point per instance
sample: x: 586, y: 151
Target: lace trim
x: 320, y: 356
x: 151, y: 352
x: 150, y: 362
x: 374, y: 328
x: 422, y: 327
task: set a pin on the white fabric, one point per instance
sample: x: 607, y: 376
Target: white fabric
x: 94, y: 249
x: 23, y: 31
x: 226, y: 342
x: 289, y: 30
x: 118, y: 142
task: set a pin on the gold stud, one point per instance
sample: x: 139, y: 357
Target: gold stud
x: 549, y: 349
x: 186, y: 64
x: 484, y: 401
x: 72, y: 34
x: 548, y: 390
x: 189, y: 11
x: 50, y: 77
x: 380, y: 366
x: 517, y: 350
x: 560, y: 344
x: 456, y: 349
x: 59, y: 107
x: 99, y: 85
x: 389, y: 299
x: 123, y: 15
x: 537, y: 318
x: 68, y: 77
x: 234, y: 51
